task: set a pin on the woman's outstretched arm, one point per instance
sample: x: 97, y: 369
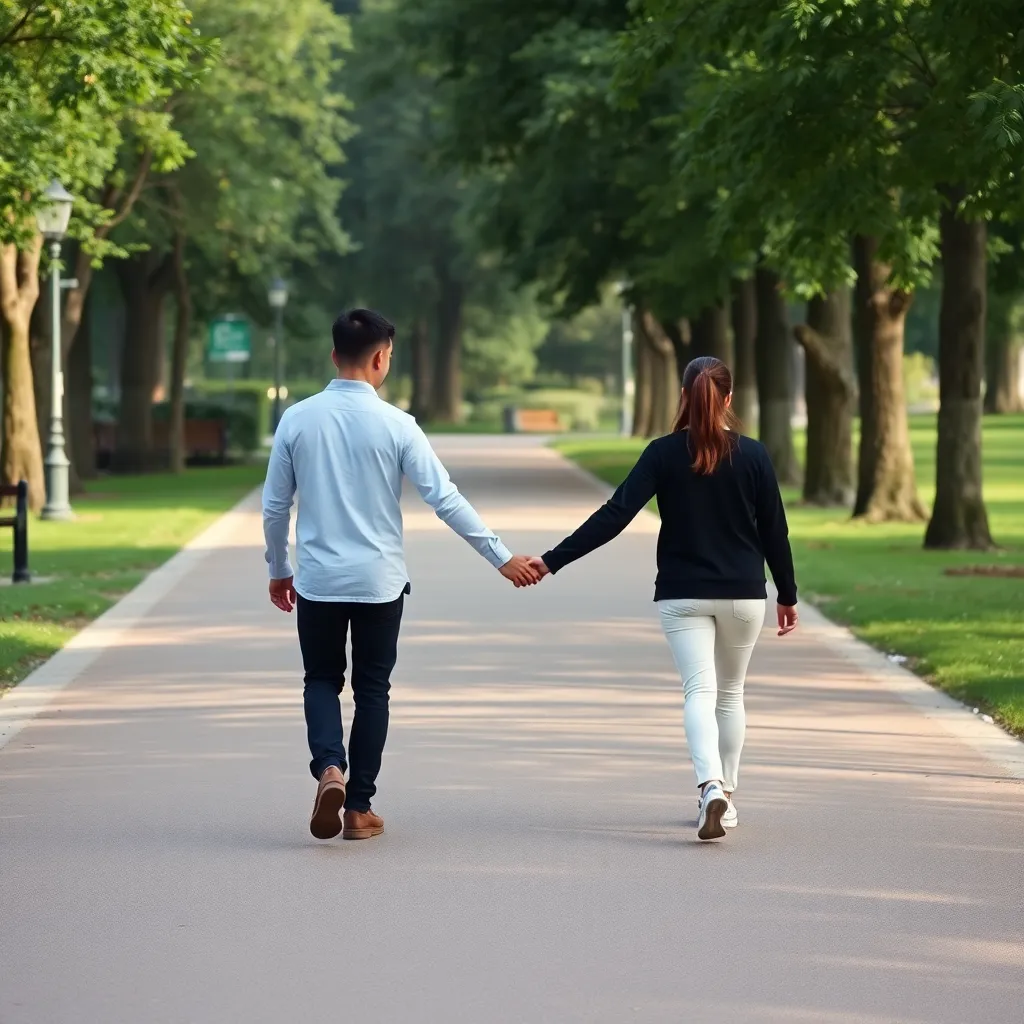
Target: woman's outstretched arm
x: 612, y: 517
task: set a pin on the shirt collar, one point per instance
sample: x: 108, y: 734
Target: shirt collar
x: 351, y: 385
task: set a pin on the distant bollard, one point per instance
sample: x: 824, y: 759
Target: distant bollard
x: 19, y: 524
x: 510, y: 419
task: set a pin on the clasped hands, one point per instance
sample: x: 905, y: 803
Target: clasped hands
x: 524, y: 570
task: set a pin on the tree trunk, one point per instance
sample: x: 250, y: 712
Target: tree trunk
x: 179, y: 356
x: 81, y: 439
x: 959, y: 518
x: 39, y: 347
x: 773, y: 360
x: 711, y: 333
x: 21, y: 456
x: 1002, y: 357
x: 744, y: 331
x: 144, y: 283
x: 419, y: 343
x: 831, y: 391
x: 663, y: 374
x: 680, y: 334
x: 447, y: 403
x: 886, y: 489
x: 643, y: 395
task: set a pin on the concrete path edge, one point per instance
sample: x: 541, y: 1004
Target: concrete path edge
x: 998, y: 747
x: 29, y: 697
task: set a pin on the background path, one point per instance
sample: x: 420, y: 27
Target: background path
x: 540, y: 862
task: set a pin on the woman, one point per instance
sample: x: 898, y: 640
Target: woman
x: 721, y: 520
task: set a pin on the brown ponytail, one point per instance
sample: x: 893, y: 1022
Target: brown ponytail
x: 711, y: 424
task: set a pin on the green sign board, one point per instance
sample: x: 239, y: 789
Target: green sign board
x: 230, y: 340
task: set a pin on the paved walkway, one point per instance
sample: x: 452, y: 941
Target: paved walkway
x: 540, y: 862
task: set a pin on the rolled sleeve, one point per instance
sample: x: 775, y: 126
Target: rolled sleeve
x: 428, y: 475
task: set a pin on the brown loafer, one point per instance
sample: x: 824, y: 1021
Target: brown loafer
x: 330, y: 799
x: 362, y: 825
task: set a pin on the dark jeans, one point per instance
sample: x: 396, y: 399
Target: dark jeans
x: 323, y: 631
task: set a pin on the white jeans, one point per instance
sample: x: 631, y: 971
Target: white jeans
x: 712, y: 641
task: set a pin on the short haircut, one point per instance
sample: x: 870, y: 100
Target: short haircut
x: 358, y: 332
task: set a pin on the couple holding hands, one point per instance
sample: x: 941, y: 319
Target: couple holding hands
x: 345, y: 452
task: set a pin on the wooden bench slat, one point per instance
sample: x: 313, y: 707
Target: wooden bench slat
x: 538, y: 420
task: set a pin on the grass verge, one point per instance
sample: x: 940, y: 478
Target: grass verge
x: 964, y: 633
x: 126, y: 527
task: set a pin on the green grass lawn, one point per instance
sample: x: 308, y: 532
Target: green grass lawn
x: 126, y: 527
x: 963, y: 633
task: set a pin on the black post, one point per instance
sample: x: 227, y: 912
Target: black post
x: 278, y: 342
x: 21, y: 573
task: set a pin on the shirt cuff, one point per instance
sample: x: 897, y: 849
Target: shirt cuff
x: 279, y: 570
x: 498, y: 555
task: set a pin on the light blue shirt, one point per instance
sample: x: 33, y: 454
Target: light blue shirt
x: 345, y: 452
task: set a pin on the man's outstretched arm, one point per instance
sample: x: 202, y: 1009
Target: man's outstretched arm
x: 422, y: 466
x: 278, y: 495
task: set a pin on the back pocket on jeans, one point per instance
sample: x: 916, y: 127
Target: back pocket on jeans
x: 679, y: 607
x: 748, y: 610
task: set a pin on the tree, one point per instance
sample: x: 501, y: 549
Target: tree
x: 959, y: 517
x: 67, y: 73
x: 886, y: 489
x: 1004, y: 332
x: 501, y: 342
x: 831, y: 391
x: 773, y: 356
x: 1004, y: 340
x: 822, y: 120
x: 526, y: 95
x: 744, y: 326
x: 266, y: 125
x: 19, y: 288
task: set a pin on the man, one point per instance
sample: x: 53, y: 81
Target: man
x: 345, y: 452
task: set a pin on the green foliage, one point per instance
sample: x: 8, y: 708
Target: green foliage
x: 250, y: 398
x: 525, y: 91
x: 586, y: 347
x: 501, y: 345
x: 816, y: 120
x: 77, y: 81
x: 920, y: 380
x: 265, y: 127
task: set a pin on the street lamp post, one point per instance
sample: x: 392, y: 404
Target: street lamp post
x: 628, y: 384
x: 53, y: 218
x: 277, y: 296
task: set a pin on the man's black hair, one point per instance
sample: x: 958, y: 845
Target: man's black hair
x: 358, y: 332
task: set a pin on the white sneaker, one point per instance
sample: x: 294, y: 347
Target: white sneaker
x: 731, y: 817
x: 713, y: 805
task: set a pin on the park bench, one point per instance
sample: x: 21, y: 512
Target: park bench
x: 532, y: 421
x: 19, y: 524
x: 206, y: 441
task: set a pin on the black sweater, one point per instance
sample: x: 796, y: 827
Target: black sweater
x: 717, y: 531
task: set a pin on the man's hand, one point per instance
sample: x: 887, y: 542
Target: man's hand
x: 519, y: 571
x: 282, y: 594
x: 788, y: 619
x: 539, y: 567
